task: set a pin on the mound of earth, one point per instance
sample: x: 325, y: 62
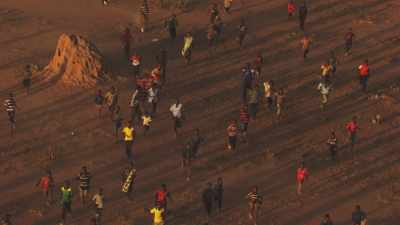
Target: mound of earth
x: 76, y: 62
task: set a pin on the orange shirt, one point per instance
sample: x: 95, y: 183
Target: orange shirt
x: 363, y: 69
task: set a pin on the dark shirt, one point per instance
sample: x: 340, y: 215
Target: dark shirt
x: 219, y: 191
x: 303, y: 11
x: 208, y: 196
x: 357, y: 217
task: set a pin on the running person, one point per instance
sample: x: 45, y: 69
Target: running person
x: 352, y: 129
x: 176, y: 110
x: 46, y: 183
x: 98, y: 200
x: 146, y: 118
x: 162, y: 196
x: 324, y: 87
x: 364, y: 74
x: 219, y: 193
x: 348, y: 41
x: 305, y: 43
x: 128, y: 132
x: 244, y: 118
x: 99, y: 101
x: 302, y: 175
x: 242, y: 32
x: 187, y: 47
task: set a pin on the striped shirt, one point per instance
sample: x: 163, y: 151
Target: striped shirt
x: 10, y: 105
x: 254, y: 198
x: 244, y: 115
x: 84, y: 180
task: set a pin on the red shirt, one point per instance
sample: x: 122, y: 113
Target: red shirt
x: 291, y: 8
x: 45, y: 183
x: 244, y: 116
x: 161, y: 196
x: 302, y: 173
x: 363, y: 69
x: 352, y: 127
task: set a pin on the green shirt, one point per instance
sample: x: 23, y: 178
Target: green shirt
x: 66, y: 194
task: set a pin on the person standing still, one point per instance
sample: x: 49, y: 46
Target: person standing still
x: 255, y: 202
x: 358, y: 217
x: 84, y: 178
x: 219, y: 193
x: 348, y: 39
x: 327, y: 220
x: 232, y: 135
x: 99, y: 101
x: 303, y: 11
x: 244, y: 119
x: 128, y: 132
x: 242, y: 32
x: 291, y: 8
x: 126, y: 42
x: 332, y: 145
x: 208, y: 198
x: 268, y: 93
x: 46, y: 183
x: 171, y: 24
x: 279, y: 100
x: 66, y: 201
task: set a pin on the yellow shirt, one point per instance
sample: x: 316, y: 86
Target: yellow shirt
x: 158, y: 215
x: 128, y: 133
x: 146, y: 120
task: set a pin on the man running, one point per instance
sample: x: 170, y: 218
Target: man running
x: 176, y: 110
x: 146, y: 118
x: 162, y: 196
x: 352, y: 128
x: 303, y: 11
x: 162, y: 59
x: 158, y: 215
x: 11, y: 105
x: 232, y: 135
x: 302, y: 175
x: 84, y: 178
x: 126, y: 42
x: 128, y: 133
x: 171, y: 25
x: 187, y: 47
x: 136, y: 62
x: 255, y: 202
x: 66, y: 200
x: 326, y: 70
x: 214, y: 12
x: 364, y: 74
x: 348, y: 39
x: 98, y: 200
x: 332, y: 145
x: 305, y: 43
x: 324, y: 87
x: 242, y: 32
x: 291, y: 8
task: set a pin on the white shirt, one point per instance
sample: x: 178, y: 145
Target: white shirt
x: 176, y: 110
x: 323, y: 88
x: 133, y: 101
x: 98, y: 200
x: 152, y: 95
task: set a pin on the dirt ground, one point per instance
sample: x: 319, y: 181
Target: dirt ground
x: 210, y: 92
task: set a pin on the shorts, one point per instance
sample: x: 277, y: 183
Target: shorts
x: 66, y: 206
x: 243, y: 126
x: 11, y: 116
x: 232, y: 141
x: 83, y: 192
x: 177, y: 122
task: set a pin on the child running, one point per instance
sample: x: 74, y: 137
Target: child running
x: 232, y: 135
x: 146, y: 118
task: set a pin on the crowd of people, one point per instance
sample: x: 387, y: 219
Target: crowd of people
x: 257, y: 94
